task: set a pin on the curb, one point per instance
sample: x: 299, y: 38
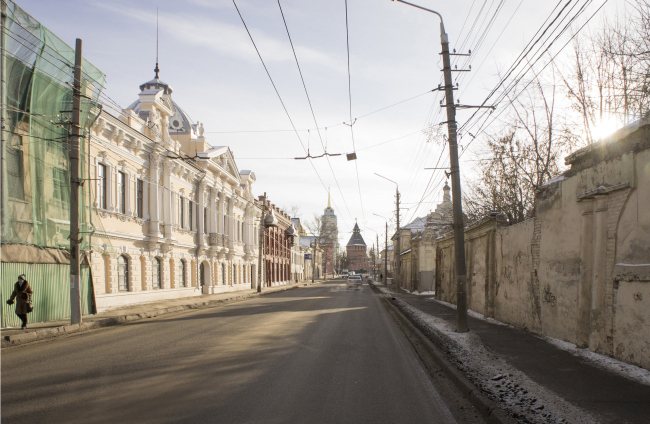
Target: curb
x: 49, y: 333
x: 488, y: 408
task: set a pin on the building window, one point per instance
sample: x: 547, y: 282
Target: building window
x: 234, y: 274
x: 223, y: 274
x: 121, y: 192
x: 139, y: 198
x: 181, y: 211
x: 15, y: 175
x: 189, y: 214
x: 156, y: 274
x: 205, y: 220
x: 183, y: 275
x: 244, y: 275
x: 122, y: 273
x: 60, y: 185
x: 101, y: 186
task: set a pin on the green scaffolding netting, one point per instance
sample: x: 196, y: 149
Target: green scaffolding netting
x: 36, y: 113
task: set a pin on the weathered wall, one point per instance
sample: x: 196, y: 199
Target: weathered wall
x: 580, y: 269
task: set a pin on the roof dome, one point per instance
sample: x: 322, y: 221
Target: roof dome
x: 180, y: 123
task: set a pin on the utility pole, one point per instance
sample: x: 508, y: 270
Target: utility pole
x: 75, y: 290
x: 313, y: 259
x: 377, y: 251
x: 386, y: 257
x: 397, y: 247
x: 261, y: 246
x: 459, y: 234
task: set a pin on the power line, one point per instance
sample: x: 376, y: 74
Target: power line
x: 278, y: 94
x: 356, y: 164
x: 304, y: 85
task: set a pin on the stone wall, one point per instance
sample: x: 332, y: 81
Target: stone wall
x: 580, y: 269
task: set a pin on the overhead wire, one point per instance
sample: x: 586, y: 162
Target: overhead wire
x: 356, y: 164
x: 311, y: 108
x: 279, y: 97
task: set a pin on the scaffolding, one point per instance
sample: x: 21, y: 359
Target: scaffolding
x: 37, y: 87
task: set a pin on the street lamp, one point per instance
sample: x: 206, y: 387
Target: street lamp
x: 386, y: 254
x: 459, y: 237
x: 396, y: 251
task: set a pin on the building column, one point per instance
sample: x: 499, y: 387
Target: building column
x: 154, y: 218
x: 167, y: 198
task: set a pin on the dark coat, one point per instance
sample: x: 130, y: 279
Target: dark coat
x: 22, y: 296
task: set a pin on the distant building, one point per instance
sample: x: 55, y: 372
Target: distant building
x: 330, y: 234
x: 356, y: 251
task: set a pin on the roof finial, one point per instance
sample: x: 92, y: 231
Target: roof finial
x: 156, y: 69
x: 329, y: 206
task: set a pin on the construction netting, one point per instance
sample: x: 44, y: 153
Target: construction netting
x: 36, y: 114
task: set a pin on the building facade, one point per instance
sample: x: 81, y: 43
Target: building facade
x: 278, y: 242
x: 180, y: 218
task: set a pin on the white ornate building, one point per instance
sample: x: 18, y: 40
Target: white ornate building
x: 178, y: 218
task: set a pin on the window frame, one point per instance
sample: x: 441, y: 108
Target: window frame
x: 139, y: 198
x: 124, y: 283
x: 156, y: 274
x: 121, y: 192
x: 101, y: 186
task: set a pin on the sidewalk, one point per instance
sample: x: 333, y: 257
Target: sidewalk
x: 533, y: 378
x: 45, y: 330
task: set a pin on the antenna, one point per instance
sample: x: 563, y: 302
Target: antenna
x: 156, y: 70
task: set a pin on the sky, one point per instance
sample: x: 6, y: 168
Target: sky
x: 206, y: 55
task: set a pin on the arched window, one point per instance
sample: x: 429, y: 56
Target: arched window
x: 122, y: 273
x: 183, y: 276
x: 156, y: 274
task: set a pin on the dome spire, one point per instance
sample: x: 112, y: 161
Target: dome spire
x: 156, y: 69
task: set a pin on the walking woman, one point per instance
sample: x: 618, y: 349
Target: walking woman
x: 22, y: 292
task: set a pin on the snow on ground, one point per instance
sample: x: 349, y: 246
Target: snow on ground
x: 424, y: 293
x: 511, y: 389
x: 632, y: 372
x: 471, y: 313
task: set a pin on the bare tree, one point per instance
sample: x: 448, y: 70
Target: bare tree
x: 523, y: 155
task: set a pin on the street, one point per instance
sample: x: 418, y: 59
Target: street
x: 328, y: 353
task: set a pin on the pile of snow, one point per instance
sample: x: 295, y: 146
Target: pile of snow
x: 510, y: 388
x: 424, y: 293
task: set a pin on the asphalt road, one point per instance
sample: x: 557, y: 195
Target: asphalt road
x: 322, y: 354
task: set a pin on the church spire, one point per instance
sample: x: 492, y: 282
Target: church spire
x: 328, y: 198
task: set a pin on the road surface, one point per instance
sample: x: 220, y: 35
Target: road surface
x: 327, y: 353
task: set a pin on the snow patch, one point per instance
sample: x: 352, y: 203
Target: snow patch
x: 632, y: 372
x: 511, y: 389
x: 471, y: 313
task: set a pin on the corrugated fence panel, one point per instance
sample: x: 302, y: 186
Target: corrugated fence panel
x: 51, y: 286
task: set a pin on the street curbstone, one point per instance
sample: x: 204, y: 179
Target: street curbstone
x: 488, y: 409
x: 23, y: 338
x: 72, y: 328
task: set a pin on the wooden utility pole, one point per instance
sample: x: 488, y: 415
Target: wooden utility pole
x: 397, y: 250
x: 261, y: 246
x: 313, y: 259
x: 73, y: 150
x: 386, y: 257
x: 459, y: 235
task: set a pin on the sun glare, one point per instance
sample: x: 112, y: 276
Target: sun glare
x: 604, y: 128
